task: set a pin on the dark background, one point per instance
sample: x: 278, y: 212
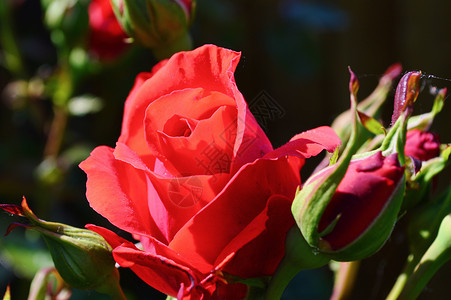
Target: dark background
x: 295, y: 52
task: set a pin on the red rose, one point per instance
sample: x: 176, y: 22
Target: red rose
x: 196, y: 180
x: 422, y: 145
x: 107, y: 39
x: 361, y: 197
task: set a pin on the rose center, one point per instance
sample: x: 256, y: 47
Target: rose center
x: 178, y: 126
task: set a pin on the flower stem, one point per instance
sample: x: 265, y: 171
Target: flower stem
x: 298, y: 256
x: 344, y: 279
x: 403, y: 278
x: 438, y: 254
x: 284, y: 274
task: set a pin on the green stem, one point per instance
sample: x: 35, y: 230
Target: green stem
x: 427, y: 218
x: 345, y: 279
x: 298, y: 256
x: 438, y: 254
x: 284, y: 274
x: 403, y: 278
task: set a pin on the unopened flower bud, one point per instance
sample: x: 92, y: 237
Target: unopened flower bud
x: 82, y: 257
x: 347, y: 210
x: 406, y: 93
x: 106, y: 38
x: 158, y: 25
x: 360, y: 215
x: 422, y: 145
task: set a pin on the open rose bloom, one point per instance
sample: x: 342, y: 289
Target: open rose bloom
x: 195, y: 179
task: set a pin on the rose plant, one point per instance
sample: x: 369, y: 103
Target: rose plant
x: 195, y: 179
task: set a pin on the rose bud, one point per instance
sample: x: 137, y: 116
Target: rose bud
x: 406, y: 94
x: 422, y: 145
x: 347, y: 210
x: 361, y: 213
x: 82, y: 257
x: 159, y: 25
x: 106, y: 39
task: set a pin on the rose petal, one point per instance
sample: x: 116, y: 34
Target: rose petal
x: 178, y: 199
x: 170, y: 200
x: 205, y: 151
x: 208, y: 67
x: 265, y: 247
x: 157, y: 270
x: 118, y: 191
x: 196, y: 104
x: 205, y: 236
x: 309, y: 143
x: 132, y: 131
x: 251, y: 142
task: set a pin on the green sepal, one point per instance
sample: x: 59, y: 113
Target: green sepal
x: 371, y: 124
x: 424, y: 121
x: 334, y: 158
x: 311, y: 201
